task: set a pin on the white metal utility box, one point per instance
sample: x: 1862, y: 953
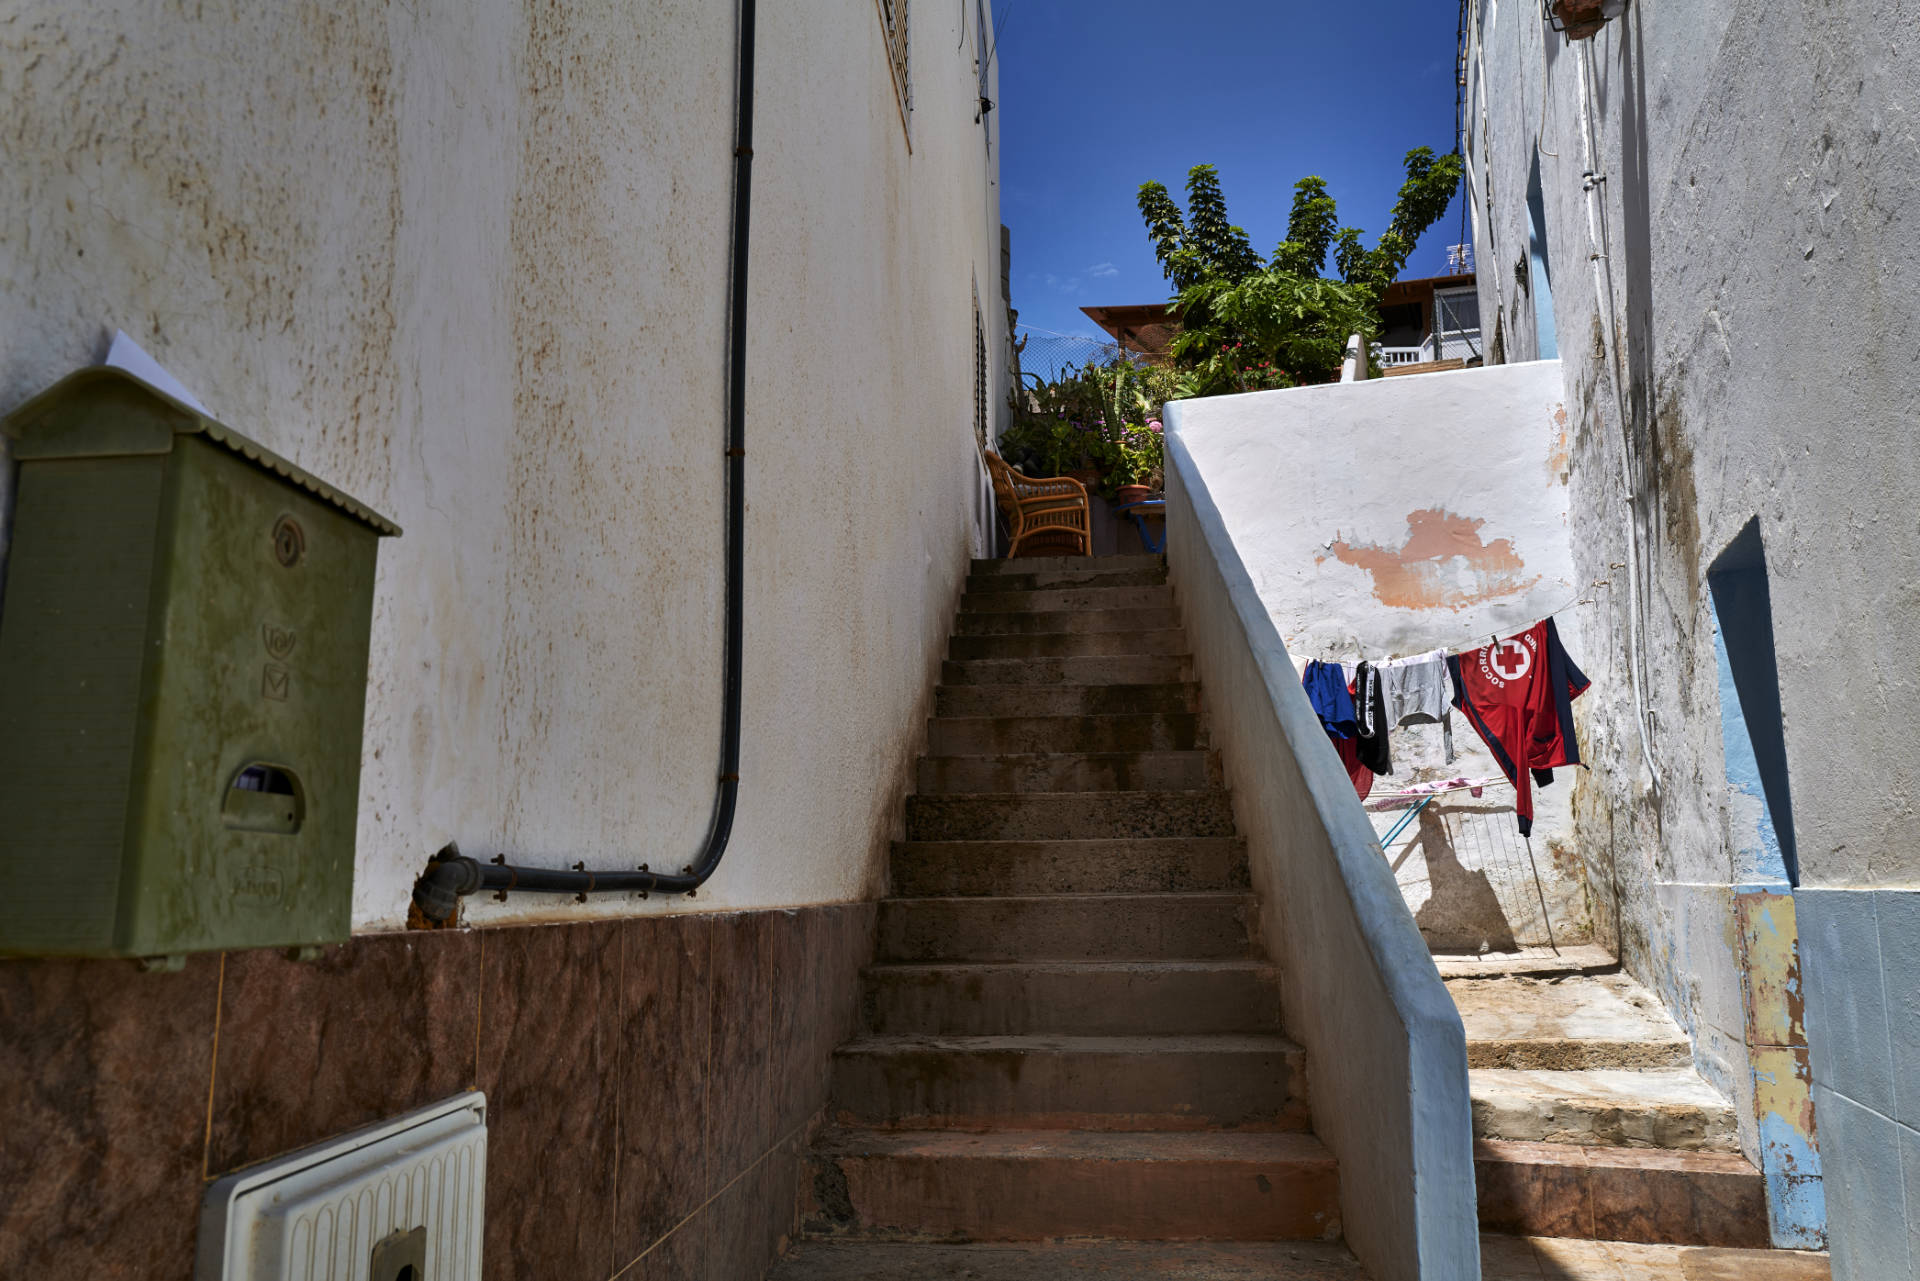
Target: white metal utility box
x: 403, y: 1200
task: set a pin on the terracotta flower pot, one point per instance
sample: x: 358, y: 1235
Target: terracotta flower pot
x: 1131, y: 494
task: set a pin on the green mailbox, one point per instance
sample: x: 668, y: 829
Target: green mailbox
x: 183, y: 678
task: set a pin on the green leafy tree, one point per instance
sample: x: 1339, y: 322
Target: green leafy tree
x: 1430, y: 184
x: 1310, y: 229
x: 1273, y: 329
x: 1248, y: 325
x: 1202, y: 244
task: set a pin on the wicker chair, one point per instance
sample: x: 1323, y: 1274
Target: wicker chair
x: 1054, y: 506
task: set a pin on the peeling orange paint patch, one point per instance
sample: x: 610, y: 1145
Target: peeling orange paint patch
x: 1444, y: 564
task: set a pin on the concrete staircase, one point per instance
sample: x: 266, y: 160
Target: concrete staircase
x: 1072, y: 1063
x: 1068, y: 1031
x: 1589, y: 1119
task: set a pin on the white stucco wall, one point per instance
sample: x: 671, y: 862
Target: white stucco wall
x: 1759, y: 166
x: 1393, y: 517
x: 470, y: 262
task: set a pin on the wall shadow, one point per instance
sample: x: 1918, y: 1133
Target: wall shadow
x: 1462, y: 912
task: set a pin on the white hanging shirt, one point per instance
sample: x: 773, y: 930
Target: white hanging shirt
x: 1417, y: 686
x: 1419, y: 689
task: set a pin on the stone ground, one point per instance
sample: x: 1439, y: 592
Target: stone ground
x: 1503, y: 1259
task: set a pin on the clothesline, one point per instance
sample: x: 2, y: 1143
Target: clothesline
x: 1516, y: 693
x: 1471, y: 642
x: 1426, y: 791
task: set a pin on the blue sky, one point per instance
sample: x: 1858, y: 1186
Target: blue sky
x: 1101, y: 95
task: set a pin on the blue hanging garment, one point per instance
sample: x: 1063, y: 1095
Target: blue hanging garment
x: 1326, y: 686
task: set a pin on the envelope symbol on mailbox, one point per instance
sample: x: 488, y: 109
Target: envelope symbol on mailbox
x: 275, y: 682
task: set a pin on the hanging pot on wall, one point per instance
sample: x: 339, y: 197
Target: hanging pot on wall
x: 1580, y: 19
x: 1131, y: 494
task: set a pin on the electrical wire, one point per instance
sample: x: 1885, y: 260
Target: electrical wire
x: 1610, y: 340
x: 1471, y: 637
x: 999, y: 29
x: 1477, y: 48
x: 1546, y: 92
x: 1460, y: 113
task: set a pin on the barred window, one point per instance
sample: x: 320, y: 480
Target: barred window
x: 893, y: 21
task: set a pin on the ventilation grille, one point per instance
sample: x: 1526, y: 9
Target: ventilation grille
x: 327, y: 1213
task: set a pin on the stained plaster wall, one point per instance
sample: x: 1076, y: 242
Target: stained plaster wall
x: 1398, y: 516
x: 469, y: 261
x: 1758, y: 170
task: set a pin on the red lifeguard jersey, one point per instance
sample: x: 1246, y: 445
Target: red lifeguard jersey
x: 1519, y: 693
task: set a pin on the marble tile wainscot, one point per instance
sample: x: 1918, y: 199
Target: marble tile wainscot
x: 650, y: 1083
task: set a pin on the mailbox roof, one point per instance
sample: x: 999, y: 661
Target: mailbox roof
x: 65, y: 421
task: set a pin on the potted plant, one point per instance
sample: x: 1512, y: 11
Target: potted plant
x: 1130, y: 459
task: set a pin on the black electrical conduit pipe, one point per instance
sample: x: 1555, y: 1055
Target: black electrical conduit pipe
x: 452, y: 874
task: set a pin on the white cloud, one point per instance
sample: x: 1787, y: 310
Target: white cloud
x: 1101, y: 270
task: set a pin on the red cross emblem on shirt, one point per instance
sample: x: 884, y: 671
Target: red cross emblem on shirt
x: 1511, y: 660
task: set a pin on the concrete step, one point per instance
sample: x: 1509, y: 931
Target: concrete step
x: 1055, y: 1082
x: 1017, y: 735
x: 1066, y: 644
x: 1168, y: 865
x: 1114, y: 669
x: 1018, y: 816
x: 1076, y: 564
x: 1502, y: 1258
x: 1054, y: 599
x: 1052, y: 579
x: 1620, y: 1194
x: 1066, y: 927
x: 1070, y: 772
x: 1671, y: 1108
x: 1034, y: 1186
x: 1073, y: 998
x: 1076, y: 1261
x: 1516, y: 1258
x: 1160, y: 619
x: 1177, y: 698
x: 1566, y: 1023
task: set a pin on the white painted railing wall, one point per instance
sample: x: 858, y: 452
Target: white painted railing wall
x: 1386, y: 1052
